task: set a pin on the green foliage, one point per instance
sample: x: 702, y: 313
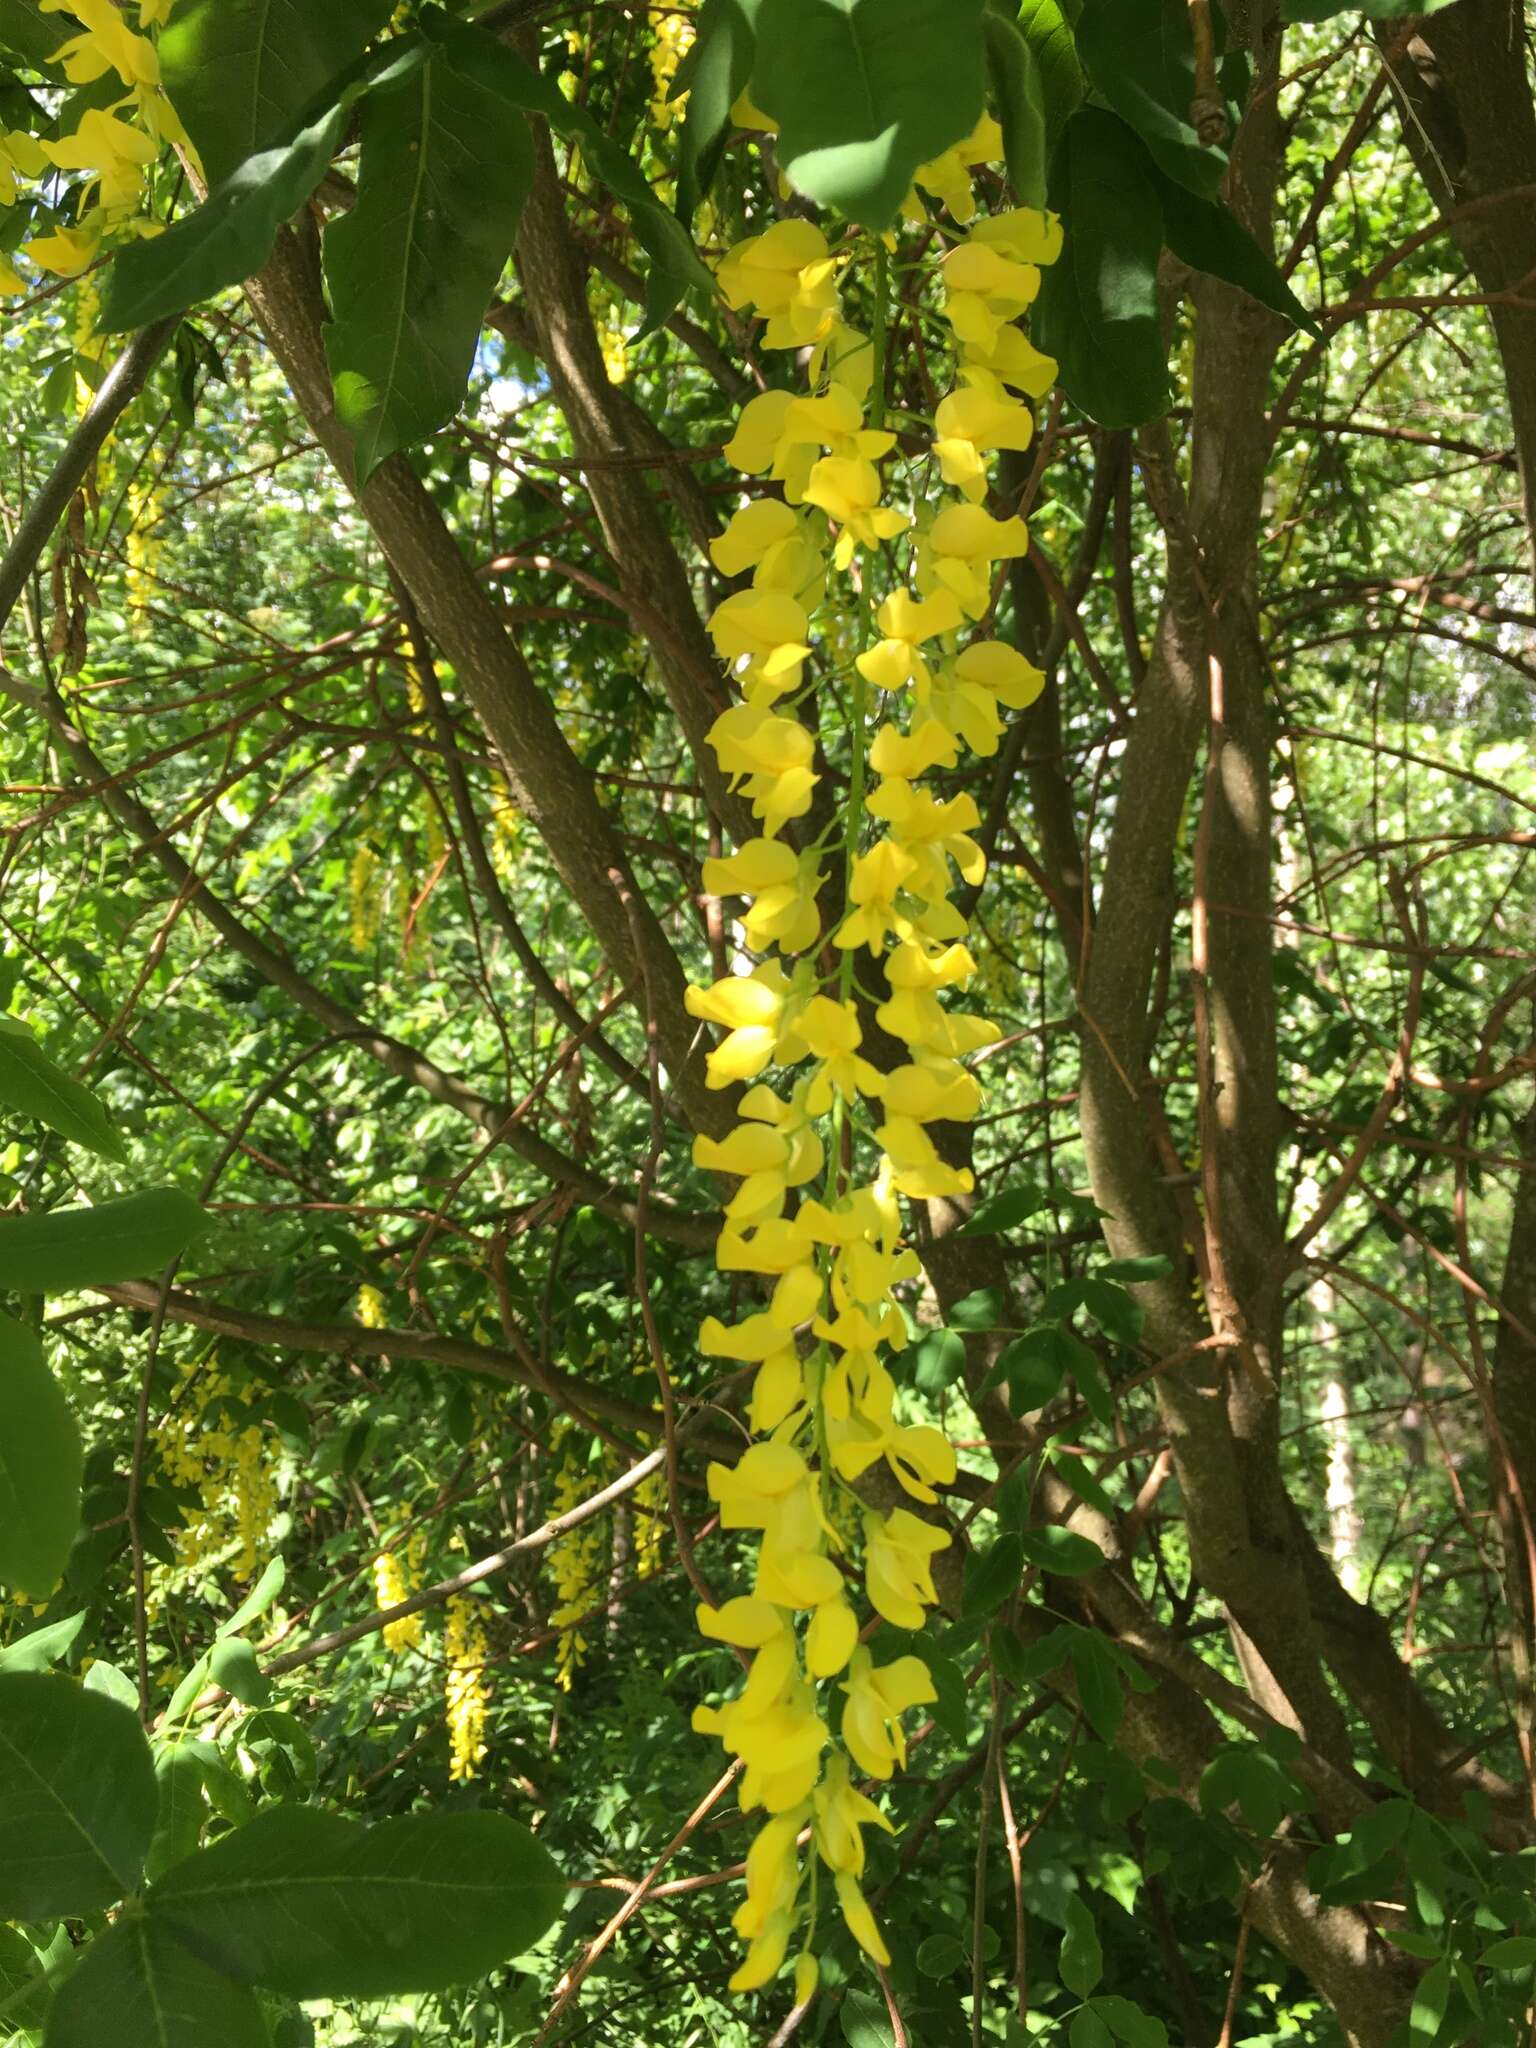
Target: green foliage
x: 122, y: 1238
x: 41, y: 1463
x: 866, y: 90
x: 137, y: 1985
x: 446, y: 165
x: 77, y: 1798
x: 33, y: 1085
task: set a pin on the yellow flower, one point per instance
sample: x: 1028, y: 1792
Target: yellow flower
x: 752, y: 533
x: 841, y: 1811
x: 390, y: 1588
x: 108, y: 44
x: 751, y: 1007
x: 879, y: 1696
x: 1014, y: 360
x: 832, y: 1032
x: 905, y: 623
x: 1024, y: 233
x: 898, y: 1571
x: 67, y: 251
x: 784, y: 885
x: 761, y: 633
x: 974, y: 420
x: 984, y: 289
x: 959, y: 549
x: 789, y: 274
x: 920, y: 823
x: 774, y: 756
x: 466, y: 1688
x: 845, y: 357
x: 117, y: 153
x: 829, y: 1641
x: 847, y: 488
x: 965, y: 697
x: 948, y: 176
x: 861, y: 1921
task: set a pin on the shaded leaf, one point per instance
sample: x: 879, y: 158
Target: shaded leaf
x: 34, y: 1085
x: 41, y: 1463
x: 77, y: 1798
x: 1019, y: 97
x: 1046, y: 28
x: 992, y: 1575
x: 125, y: 1238
x: 1061, y: 1552
x: 41, y: 1647
x: 1141, y: 55
x: 1205, y: 234
x: 137, y: 1987
x: 1081, y: 1961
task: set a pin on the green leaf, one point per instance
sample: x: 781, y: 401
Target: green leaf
x: 936, y: 1360
x: 259, y: 1599
x: 865, y: 2021
x: 41, y: 1463
x: 1081, y: 1961
x: 41, y: 1647
x: 1046, y: 29
x: 77, y: 1798
x: 866, y: 90
x: 121, y: 1239
x: 980, y: 1311
x: 1034, y: 1367
x: 1005, y: 1211
x: 1117, y: 1313
x: 412, y: 267
x: 1098, y: 1686
x: 179, y: 1820
x: 1097, y: 312
x: 306, y: 1903
x: 939, y: 1955
x: 713, y: 74
x: 675, y: 263
x: 1206, y: 235
x: 1088, y: 2030
x: 23, y: 1990
x: 114, y: 1684
x: 992, y: 1576
x: 1430, y: 1998
x: 138, y: 1988
x: 1141, y: 56
x: 1019, y: 98
x: 1155, y: 1266
x: 239, y: 71
x: 33, y: 1085
x: 32, y: 34
x: 232, y: 1664
x: 1515, y: 1952
x: 1127, y: 2022
x: 1061, y: 1552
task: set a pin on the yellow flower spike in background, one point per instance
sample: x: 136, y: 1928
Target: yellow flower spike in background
x: 827, y: 1411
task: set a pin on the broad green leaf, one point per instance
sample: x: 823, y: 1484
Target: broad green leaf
x: 866, y: 90
x: 1098, y: 1686
x: 865, y: 2021
x: 1141, y: 56
x: 1430, y: 1998
x: 230, y: 236
x: 938, y: 1955
x: 676, y: 266
x: 1046, y: 27
x: 125, y: 1238
x: 1062, y: 1552
x: 1118, y: 1314
x: 1081, y: 1962
x: 179, y: 1819
x: 1206, y: 235
x: 232, y: 1664
x: 1019, y: 98
x: 259, y: 1599
x: 137, y: 1987
x: 1515, y: 1952
x: 992, y: 1576
x: 1097, y: 312
x: 319, y: 1907
x: 34, y: 1085
x: 239, y: 71
x: 116, y: 1685
x: 189, y: 1689
x: 41, y: 1462
x: 32, y: 34
x: 935, y: 1361
x: 713, y: 74
x: 1033, y: 1366
x: 1127, y: 2022
x: 77, y: 1798
x: 1087, y: 2030
x: 23, y: 1993
x: 41, y: 1647
x: 980, y: 1311
x: 411, y: 268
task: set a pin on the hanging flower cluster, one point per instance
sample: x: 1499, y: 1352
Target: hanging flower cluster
x: 214, y: 1446
x: 117, y: 144
x: 576, y: 1559
x: 825, y: 1149
x: 396, y: 1575
x: 466, y: 1688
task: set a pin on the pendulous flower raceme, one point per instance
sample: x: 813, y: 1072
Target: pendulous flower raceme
x: 863, y: 627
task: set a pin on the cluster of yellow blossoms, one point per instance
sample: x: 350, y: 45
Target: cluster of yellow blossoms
x: 204, y: 1444
x: 905, y: 585
x: 576, y: 1558
x: 118, y: 145
x: 466, y: 1688
x: 396, y: 1575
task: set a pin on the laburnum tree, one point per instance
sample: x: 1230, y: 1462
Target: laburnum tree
x: 769, y: 1179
